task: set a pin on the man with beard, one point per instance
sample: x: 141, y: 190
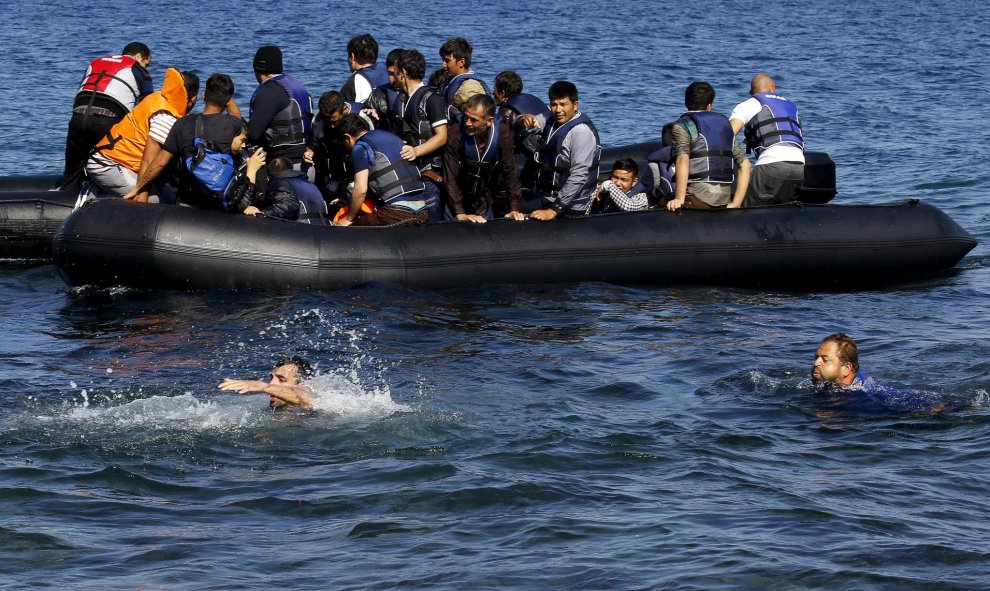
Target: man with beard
x: 479, y: 165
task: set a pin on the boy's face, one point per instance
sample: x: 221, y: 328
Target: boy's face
x: 624, y: 179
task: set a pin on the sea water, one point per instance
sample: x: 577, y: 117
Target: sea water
x: 583, y: 436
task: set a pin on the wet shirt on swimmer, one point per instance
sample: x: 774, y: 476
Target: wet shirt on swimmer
x: 865, y: 394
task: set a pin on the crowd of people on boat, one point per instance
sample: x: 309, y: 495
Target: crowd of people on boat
x: 396, y: 146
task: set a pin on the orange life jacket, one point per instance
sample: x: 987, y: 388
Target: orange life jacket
x: 366, y: 207
x: 126, y: 141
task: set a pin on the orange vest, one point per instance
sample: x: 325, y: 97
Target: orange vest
x: 126, y: 140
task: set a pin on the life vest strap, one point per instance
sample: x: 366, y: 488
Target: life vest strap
x: 398, y: 183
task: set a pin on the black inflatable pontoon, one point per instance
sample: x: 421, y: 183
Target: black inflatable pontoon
x: 31, y: 209
x: 151, y: 246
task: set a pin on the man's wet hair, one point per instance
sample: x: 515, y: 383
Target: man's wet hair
x: 303, y: 368
x: 219, y: 89
x: 698, y: 95
x: 191, y: 82
x: 352, y: 124
x: 509, y: 82
x: 364, y: 48
x: 562, y: 89
x: 412, y: 62
x: 136, y: 47
x: 846, y: 348
x: 626, y: 163
x: 331, y: 102
x: 459, y: 48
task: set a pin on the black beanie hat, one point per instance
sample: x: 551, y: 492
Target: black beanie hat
x: 268, y: 60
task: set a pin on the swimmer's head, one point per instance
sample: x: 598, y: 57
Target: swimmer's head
x: 289, y: 371
x: 836, y: 361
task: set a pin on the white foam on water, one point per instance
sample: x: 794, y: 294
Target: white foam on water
x: 183, y: 412
x: 343, y: 395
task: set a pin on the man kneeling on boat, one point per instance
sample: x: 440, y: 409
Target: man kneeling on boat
x: 283, y: 389
x: 382, y: 176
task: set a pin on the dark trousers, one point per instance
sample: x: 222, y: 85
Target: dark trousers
x: 84, y: 133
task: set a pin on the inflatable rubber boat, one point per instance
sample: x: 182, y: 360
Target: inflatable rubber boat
x: 117, y: 243
x: 31, y: 208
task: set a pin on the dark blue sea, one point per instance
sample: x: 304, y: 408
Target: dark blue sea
x: 584, y: 436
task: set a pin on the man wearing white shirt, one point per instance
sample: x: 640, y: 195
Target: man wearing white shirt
x: 773, y: 132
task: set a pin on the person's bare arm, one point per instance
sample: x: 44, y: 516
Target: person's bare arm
x: 430, y: 146
x: 150, y: 169
x: 682, y: 168
x: 295, y: 395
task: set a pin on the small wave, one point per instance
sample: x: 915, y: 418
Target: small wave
x: 344, y: 396
x: 183, y: 412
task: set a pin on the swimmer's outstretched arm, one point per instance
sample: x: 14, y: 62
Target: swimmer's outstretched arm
x: 296, y: 395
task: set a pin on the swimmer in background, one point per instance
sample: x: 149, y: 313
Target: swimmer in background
x: 284, y: 388
x: 836, y: 367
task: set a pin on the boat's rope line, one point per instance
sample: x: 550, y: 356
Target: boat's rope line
x: 476, y: 259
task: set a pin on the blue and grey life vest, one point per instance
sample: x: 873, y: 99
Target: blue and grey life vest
x: 777, y: 122
x: 526, y: 140
x: 416, y: 126
x: 390, y: 177
x: 376, y: 74
x: 553, y: 170
x: 454, y: 84
x: 291, y: 126
x: 312, y: 207
x: 527, y: 104
x: 711, y: 147
x: 660, y: 183
x: 478, y: 163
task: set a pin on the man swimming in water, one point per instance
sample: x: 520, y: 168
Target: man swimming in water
x: 837, y: 364
x: 284, y: 388
x: 837, y: 361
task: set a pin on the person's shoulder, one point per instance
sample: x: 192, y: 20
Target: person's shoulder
x: 745, y: 110
x: 582, y: 130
